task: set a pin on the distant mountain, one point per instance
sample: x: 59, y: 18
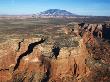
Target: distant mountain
x: 56, y: 12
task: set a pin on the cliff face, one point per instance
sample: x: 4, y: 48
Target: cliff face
x: 65, y: 58
x: 70, y: 65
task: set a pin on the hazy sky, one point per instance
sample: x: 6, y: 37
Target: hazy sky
x: 81, y: 7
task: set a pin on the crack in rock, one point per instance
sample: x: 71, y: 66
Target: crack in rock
x: 19, y: 44
x: 29, y: 50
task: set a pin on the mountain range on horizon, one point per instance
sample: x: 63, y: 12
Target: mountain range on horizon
x: 52, y: 13
x: 49, y: 12
x: 56, y: 12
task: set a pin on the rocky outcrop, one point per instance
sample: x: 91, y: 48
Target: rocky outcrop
x: 97, y: 29
x: 63, y: 58
x: 70, y: 64
x: 27, y: 58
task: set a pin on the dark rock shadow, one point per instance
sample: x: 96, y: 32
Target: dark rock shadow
x: 55, y: 52
x: 106, y: 32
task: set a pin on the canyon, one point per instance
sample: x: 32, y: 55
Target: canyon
x: 77, y: 54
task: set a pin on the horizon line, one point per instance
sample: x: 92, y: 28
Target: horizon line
x: 21, y: 14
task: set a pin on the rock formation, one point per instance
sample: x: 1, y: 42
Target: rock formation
x: 67, y: 58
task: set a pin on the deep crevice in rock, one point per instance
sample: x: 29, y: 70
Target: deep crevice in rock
x: 47, y: 68
x: 4, y: 69
x: 47, y: 77
x: 75, y: 69
x: 29, y: 50
x: 19, y: 44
